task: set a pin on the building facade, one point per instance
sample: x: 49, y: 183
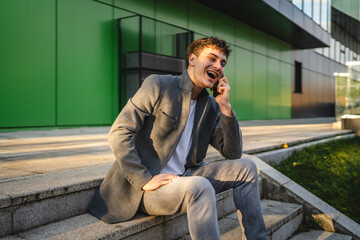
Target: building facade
x: 67, y: 63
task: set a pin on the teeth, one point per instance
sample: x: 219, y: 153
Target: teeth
x: 212, y: 74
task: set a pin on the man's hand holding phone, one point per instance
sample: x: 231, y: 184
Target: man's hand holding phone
x: 221, y: 91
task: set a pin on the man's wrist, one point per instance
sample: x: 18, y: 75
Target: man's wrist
x: 226, y: 110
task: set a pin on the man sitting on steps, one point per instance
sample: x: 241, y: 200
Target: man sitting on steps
x: 160, y: 139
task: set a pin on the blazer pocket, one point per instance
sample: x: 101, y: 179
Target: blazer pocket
x: 164, y: 124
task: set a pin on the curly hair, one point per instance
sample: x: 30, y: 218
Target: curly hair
x: 199, y: 44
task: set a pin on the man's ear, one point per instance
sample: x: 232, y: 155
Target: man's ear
x: 192, y: 59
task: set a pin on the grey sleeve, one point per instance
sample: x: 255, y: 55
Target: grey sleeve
x: 127, y: 124
x: 227, y: 137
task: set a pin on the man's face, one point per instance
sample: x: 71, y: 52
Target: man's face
x: 208, y: 67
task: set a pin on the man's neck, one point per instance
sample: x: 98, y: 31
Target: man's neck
x: 196, y: 90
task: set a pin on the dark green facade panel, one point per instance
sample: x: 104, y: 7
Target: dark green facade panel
x: 274, y: 80
x: 27, y: 63
x: 242, y: 94
x: 224, y: 27
x: 273, y: 47
x: 259, y: 42
x: 85, y: 63
x: 174, y: 12
x: 60, y: 67
x: 243, y: 36
x: 260, y: 87
x: 201, y: 21
x: 118, y: 13
x: 143, y: 7
x: 285, y: 90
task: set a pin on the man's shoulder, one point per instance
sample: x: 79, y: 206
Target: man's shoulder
x: 162, y: 78
x: 161, y: 81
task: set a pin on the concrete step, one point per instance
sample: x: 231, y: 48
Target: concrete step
x: 86, y: 226
x: 279, y: 218
x: 320, y: 235
x: 32, y: 201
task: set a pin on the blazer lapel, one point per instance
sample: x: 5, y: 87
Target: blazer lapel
x: 201, y: 106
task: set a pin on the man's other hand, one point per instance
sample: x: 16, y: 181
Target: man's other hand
x: 223, y: 98
x: 159, y: 180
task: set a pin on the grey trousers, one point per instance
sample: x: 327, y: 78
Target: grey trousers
x: 194, y: 193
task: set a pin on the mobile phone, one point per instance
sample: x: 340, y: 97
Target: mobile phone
x: 214, y: 88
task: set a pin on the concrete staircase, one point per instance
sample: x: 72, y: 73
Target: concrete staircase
x: 43, y: 197
x: 53, y: 206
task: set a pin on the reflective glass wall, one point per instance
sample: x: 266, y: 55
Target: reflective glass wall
x: 348, y: 90
x: 318, y: 10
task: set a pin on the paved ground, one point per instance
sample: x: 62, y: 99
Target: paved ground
x: 25, y: 153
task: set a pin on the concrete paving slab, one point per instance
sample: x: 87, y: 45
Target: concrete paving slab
x: 320, y: 235
x: 8, y: 173
x: 54, y: 132
x: 12, y: 169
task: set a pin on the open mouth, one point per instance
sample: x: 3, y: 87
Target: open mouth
x: 212, y: 74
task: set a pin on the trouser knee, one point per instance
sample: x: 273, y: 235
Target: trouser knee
x: 201, y: 188
x: 247, y: 168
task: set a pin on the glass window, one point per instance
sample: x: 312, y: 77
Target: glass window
x: 354, y: 56
x: 316, y: 11
x: 337, y: 51
x: 298, y: 3
x: 324, y: 8
x: 298, y: 77
x: 308, y: 7
x: 332, y: 49
x: 342, y: 54
x: 329, y: 16
x: 318, y: 50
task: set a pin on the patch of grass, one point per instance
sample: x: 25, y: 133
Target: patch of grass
x: 331, y: 171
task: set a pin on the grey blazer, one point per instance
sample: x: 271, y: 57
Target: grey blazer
x: 145, y: 135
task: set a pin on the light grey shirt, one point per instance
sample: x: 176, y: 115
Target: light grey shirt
x: 177, y: 161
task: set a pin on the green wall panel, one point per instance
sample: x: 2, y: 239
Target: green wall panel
x: 259, y: 42
x: 274, y: 100
x: 243, y: 93
x: 273, y: 47
x: 285, y: 52
x: 85, y: 63
x: 285, y: 90
x: 62, y: 69
x: 243, y: 36
x: 27, y: 63
x: 201, y: 21
x: 173, y: 12
x: 230, y: 73
x: 259, y: 87
x: 143, y: 7
x: 118, y: 13
x: 224, y: 27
